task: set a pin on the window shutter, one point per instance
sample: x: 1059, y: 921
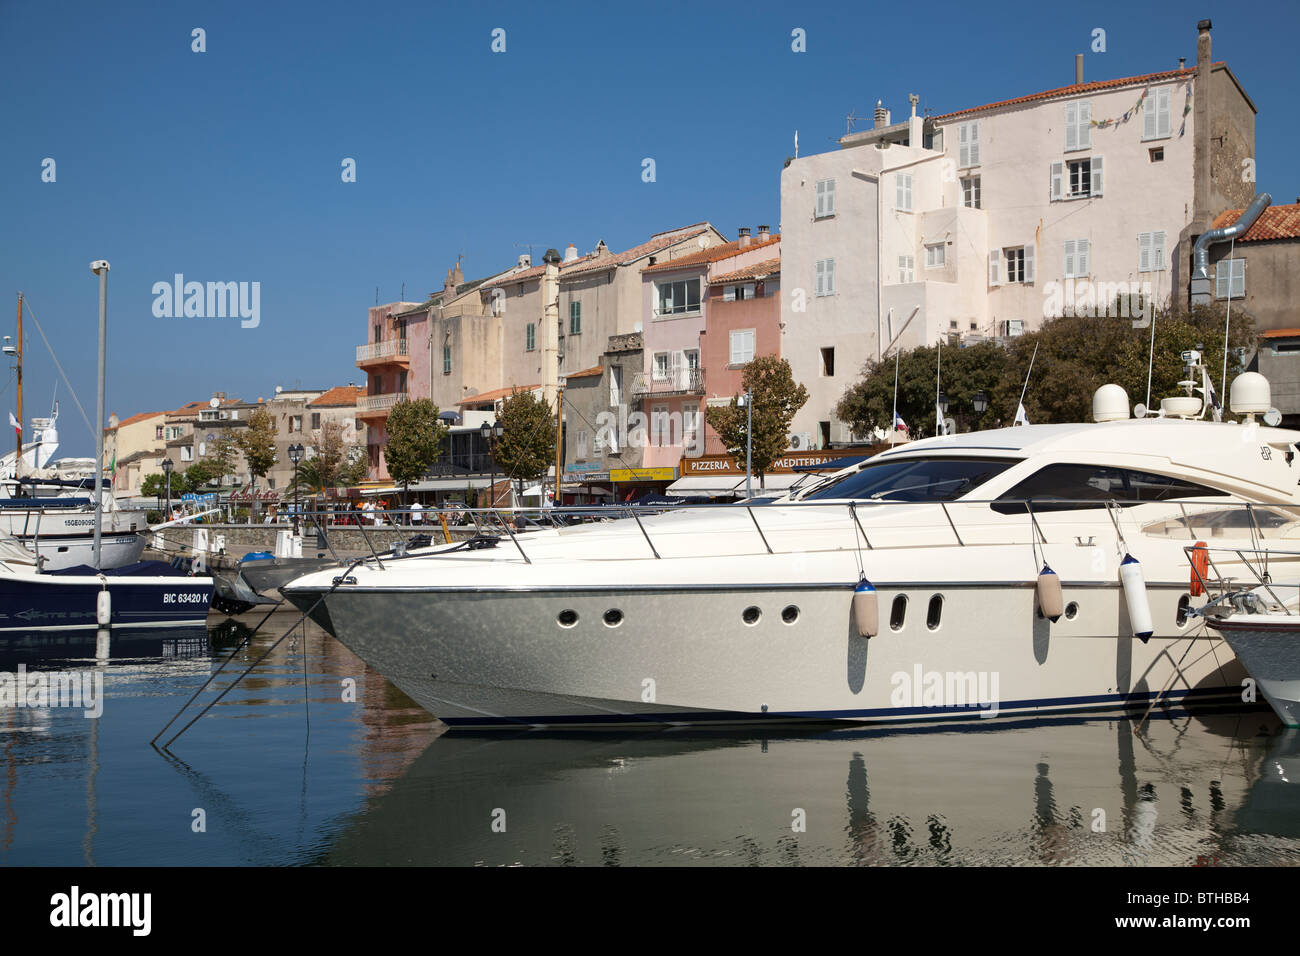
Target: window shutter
x: 1221, y: 281
x: 1157, y: 250
x: 1081, y: 257
x: 1057, y: 177
x: 1144, y: 252
x: 1149, y: 117
x: 1094, y: 188
x: 1069, y: 259
x: 1071, y: 126
x: 1029, y: 262
x: 820, y: 285
x: 729, y: 293
x: 749, y: 290
x: 898, y: 192
x: 963, y: 145
x: 1238, y: 278
x: 975, y: 144
x: 1162, y: 111
x: 830, y: 277
x: 1085, y: 125
x: 995, y: 267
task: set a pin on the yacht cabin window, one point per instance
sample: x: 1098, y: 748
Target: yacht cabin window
x: 1066, y: 487
x: 914, y: 479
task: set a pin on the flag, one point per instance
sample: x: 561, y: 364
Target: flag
x: 1022, y: 418
x: 112, y: 470
x: 899, y: 424
x: 938, y: 419
x: 16, y: 425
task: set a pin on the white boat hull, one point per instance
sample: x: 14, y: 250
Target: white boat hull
x: 1268, y: 646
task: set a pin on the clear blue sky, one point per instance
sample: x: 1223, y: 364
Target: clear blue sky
x: 225, y: 165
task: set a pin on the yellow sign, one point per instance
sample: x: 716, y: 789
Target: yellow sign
x: 643, y: 474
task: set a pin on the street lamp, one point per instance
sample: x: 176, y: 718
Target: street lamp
x: 747, y: 399
x: 295, y: 456
x: 167, y: 466
x: 980, y: 401
x: 491, y: 435
x: 942, y: 401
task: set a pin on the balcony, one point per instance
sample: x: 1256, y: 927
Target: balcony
x: 392, y: 351
x: 379, y: 405
x: 676, y: 380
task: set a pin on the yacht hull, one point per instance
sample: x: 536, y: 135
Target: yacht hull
x: 687, y: 655
x: 1269, y: 649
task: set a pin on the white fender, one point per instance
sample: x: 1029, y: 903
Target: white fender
x: 1135, y: 595
x: 104, y: 607
x: 866, y: 612
x: 1050, y: 601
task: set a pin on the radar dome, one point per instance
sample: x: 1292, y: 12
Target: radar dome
x: 1250, y: 394
x: 1109, y: 404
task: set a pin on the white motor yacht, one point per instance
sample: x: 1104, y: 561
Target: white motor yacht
x: 1016, y: 571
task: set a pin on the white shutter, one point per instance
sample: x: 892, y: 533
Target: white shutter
x: 1144, y: 252
x: 963, y: 145
x: 821, y: 194
x: 1094, y: 188
x: 749, y: 290
x: 995, y: 267
x: 1162, y: 112
x: 830, y: 277
x: 1081, y: 257
x: 1149, y: 120
x: 1157, y: 250
x: 1057, y: 177
x: 1029, y: 262
x: 1221, y: 280
x: 1069, y: 259
x: 975, y: 143
x: 1071, y: 126
x: 820, y: 288
x: 729, y: 293
x: 1085, y: 125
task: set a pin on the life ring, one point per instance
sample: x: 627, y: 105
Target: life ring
x: 1200, y: 556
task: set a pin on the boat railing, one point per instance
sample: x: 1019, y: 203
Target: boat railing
x: 517, y: 523
x: 1223, y: 588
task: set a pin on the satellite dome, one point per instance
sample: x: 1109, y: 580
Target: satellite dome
x: 1250, y: 394
x: 1109, y: 404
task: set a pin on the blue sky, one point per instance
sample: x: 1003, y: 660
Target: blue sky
x: 225, y: 165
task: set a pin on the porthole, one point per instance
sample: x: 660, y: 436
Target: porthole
x: 567, y: 618
x: 1184, y: 610
x: 613, y: 617
x: 898, y: 612
x: 934, y: 613
x: 790, y: 614
x: 1072, y: 610
x: 751, y: 615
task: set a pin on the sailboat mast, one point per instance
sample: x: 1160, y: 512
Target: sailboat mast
x: 18, y: 439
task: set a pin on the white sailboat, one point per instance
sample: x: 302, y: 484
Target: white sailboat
x: 1024, y: 570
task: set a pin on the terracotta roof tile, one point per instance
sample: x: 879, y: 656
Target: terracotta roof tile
x: 712, y: 254
x: 759, y: 269
x: 138, y: 418
x: 1279, y: 334
x: 338, y: 395
x: 1078, y: 89
x: 1275, y: 222
x: 655, y: 244
x: 493, y: 395
x: 595, y: 370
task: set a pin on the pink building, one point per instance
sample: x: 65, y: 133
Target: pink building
x: 676, y: 302
x: 744, y: 322
x: 395, y: 359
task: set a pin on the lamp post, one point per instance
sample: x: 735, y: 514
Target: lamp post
x: 747, y: 400
x: 295, y: 456
x: 167, y: 466
x: 492, y: 434
x: 981, y: 402
x: 941, y: 402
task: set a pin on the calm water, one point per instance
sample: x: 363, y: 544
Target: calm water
x: 285, y: 771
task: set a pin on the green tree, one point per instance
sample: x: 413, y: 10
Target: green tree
x: 224, y: 455
x: 196, y: 478
x: 526, y: 448
x: 353, y: 471
x: 777, y: 398
x: 329, y: 453
x: 154, y: 486
x: 868, y: 404
x: 257, y: 442
x: 415, y: 437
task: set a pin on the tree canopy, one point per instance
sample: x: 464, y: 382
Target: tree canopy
x: 777, y: 398
x: 257, y: 442
x: 526, y: 448
x: 1076, y: 356
x: 415, y: 437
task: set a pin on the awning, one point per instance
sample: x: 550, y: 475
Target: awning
x: 452, y: 484
x: 713, y: 485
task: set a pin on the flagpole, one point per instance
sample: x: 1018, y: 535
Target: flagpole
x: 893, y: 422
x: 1027, y: 374
x: 1223, y: 382
x: 18, y: 462
x: 938, y: 369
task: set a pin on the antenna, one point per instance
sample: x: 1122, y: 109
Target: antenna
x: 529, y: 247
x: 852, y: 118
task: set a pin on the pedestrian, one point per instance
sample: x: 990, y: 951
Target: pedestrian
x: 417, y: 513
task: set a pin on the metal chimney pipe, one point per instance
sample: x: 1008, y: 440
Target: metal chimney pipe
x: 1078, y: 69
x: 1201, y: 251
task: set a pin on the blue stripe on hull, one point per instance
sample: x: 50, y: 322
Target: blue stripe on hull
x: 1095, y: 702
x: 53, y: 603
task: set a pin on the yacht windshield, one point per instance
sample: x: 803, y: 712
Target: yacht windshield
x: 914, y: 479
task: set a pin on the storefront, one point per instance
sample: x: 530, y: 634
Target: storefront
x: 632, y: 484
x: 718, y: 476
x: 586, y: 483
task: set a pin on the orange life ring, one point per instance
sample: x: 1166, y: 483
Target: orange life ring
x: 1200, y: 568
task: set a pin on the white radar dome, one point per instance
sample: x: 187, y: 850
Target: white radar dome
x: 1250, y: 394
x: 1109, y: 404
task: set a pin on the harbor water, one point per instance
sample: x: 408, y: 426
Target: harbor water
x: 312, y: 759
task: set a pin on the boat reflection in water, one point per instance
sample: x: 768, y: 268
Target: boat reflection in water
x: 1187, y: 791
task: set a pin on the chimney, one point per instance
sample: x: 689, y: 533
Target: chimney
x: 458, y: 275
x: 571, y: 253
x: 1203, y: 43
x: 764, y: 234
x: 915, y: 125
x: 1182, y: 63
x: 882, y: 115
x: 744, y: 237
x: 1202, y: 180
x: 525, y: 261
x: 449, y: 284
x: 1078, y: 69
